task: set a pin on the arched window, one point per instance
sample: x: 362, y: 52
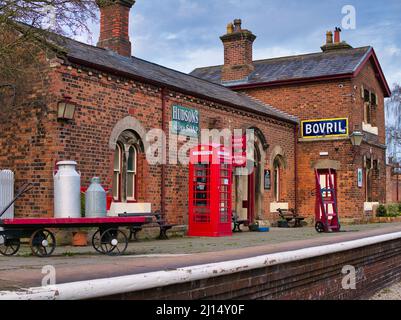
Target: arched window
x: 117, y: 173
x: 277, y: 177
x: 125, y: 167
x: 131, y: 173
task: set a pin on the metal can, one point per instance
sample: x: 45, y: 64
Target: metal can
x: 6, y: 193
x: 95, y: 200
x: 67, y: 190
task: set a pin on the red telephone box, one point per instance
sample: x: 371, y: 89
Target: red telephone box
x: 210, y: 190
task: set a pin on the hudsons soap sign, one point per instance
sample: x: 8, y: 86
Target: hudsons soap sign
x: 325, y: 128
x: 185, y: 121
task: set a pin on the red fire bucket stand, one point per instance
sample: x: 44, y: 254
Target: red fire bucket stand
x: 210, y: 190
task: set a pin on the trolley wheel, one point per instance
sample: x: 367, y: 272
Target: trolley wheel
x: 96, y: 242
x: 42, y: 243
x: 113, y: 242
x: 319, y: 226
x: 9, y: 247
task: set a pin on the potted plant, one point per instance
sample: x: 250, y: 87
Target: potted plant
x: 254, y: 226
x: 80, y: 238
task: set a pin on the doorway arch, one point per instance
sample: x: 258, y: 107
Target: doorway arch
x: 249, y: 182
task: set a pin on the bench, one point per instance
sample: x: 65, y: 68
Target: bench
x: 238, y: 222
x: 161, y: 223
x: 164, y: 226
x: 291, y: 216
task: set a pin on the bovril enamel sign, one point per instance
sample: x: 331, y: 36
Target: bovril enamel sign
x: 325, y: 128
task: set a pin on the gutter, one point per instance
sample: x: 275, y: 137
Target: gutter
x: 93, y: 289
x: 173, y: 88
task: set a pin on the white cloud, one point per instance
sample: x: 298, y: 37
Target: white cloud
x: 188, y: 60
x: 393, y: 51
x: 170, y: 36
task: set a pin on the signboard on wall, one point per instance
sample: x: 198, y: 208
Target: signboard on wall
x: 325, y: 128
x: 268, y: 182
x: 185, y: 121
x: 360, y: 178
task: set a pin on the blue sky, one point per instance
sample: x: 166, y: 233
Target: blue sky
x: 184, y: 34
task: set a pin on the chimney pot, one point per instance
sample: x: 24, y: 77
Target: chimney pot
x: 329, y: 37
x: 337, y: 38
x: 237, y: 25
x: 230, y: 28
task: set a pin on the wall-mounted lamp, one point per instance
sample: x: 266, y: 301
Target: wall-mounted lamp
x: 66, y: 110
x: 356, y: 138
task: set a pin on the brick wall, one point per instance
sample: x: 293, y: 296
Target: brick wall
x: 391, y: 186
x: 28, y: 140
x: 320, y: 278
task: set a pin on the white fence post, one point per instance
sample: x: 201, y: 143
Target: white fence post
x: 6, y: 193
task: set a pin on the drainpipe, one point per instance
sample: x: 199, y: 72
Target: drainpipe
x: 163, y: 171
x: 296, y: 166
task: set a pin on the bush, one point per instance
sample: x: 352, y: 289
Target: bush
x: 381, y: 211
x: 399, y: 208
x: 392, y: 210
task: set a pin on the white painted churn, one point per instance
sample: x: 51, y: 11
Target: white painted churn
x: 6, y: 193
x: 67, y: 190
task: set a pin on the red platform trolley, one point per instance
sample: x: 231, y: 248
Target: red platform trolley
x: 210, y: 191
x: 326, y: 210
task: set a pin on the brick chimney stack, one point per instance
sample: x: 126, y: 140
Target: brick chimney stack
x: 337, y: 44
x: 114, y: 25
x: 238, y: 52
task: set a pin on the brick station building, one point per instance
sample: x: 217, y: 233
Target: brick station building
x: 340, y: 82
x: 119, y: 98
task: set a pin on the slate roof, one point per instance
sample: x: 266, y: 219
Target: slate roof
x: 330, y: 63
x: 146, y: 71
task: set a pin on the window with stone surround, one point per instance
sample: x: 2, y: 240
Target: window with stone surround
x: 370, y: 104
x: 277, y: 177
x: 125, y: 167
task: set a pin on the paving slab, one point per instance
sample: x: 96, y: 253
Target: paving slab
x: 77, y: 264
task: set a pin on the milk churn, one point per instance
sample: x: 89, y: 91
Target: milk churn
x: 67, y: 191
x: 6, y: 193
x: 95, y: 200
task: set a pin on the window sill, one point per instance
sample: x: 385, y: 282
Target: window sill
x: 121, y: 207
x: 274, y: 206
x: 368, y: 206
x: 367, y: 127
